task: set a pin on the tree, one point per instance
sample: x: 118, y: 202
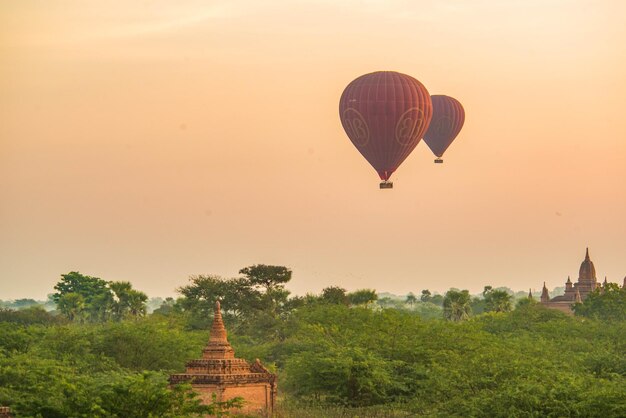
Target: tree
x: 335, y: 295
x: 137, y: 303
x: 271, y: 280
x: 607, y: 304
x: 54, y: 387
x: 121, y: 292
x: 525, y: 303
x: 497, y: 300
x: 411, y: 299
x: 426, y: 295
x: 428, y: 310
x: 437, y: 299
x: 97, y: 300
x: 478, y: 305
x: 127, y: 301
x: 268, y: 277
x: 147, y: 344
x: 237, y: 297
x: 72, y: 305
x: 362, y: 297
x: 95, y: 293
x: 35, y: 314
x: 23, y: 303
x: 456, y: 305
x: 167, y: 306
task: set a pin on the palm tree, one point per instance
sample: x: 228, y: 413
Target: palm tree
x: 71, y: 305
x: 121, y: 292
x: 456, y: 305
x: 137, y: 303
x: 127, y: 301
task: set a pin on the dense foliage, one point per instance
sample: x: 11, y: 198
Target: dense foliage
x: 85, y: 298
x: 336, y: 354
x: 608, y: 303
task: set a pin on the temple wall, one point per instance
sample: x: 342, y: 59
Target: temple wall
x: 561, y: 306
x: 206, y: 392
x: 257, y: 396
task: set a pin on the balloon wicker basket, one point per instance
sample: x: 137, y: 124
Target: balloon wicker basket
x: 438, y: 161
x: 386, y: 184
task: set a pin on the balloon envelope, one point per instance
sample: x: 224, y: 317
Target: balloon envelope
x: 447, y: 121
x: 385, y: 114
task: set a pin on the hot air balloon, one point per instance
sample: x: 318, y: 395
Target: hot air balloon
x: 447, y: 121
x: 385, y: 114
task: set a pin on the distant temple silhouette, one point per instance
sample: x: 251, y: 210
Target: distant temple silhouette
x: 575, y: 292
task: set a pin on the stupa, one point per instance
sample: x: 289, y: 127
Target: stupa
x: 219, y: 372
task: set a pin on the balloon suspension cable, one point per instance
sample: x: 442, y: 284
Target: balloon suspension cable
x: 438, y: 161
x: 386, y: 184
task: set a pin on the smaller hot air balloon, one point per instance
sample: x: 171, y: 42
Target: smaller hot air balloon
x: 447, y: 121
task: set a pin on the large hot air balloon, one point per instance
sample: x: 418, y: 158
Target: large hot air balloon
x: 447, y: 121
x: 385, y: 114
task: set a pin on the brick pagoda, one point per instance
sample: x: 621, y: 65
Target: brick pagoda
x: 220, y: 372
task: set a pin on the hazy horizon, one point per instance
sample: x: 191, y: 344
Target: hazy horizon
x: 153, y: 141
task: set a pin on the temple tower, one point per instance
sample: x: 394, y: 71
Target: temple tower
x: 587, y: 280
x: 219, y: 372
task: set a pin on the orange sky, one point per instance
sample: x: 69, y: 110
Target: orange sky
x: 148, y: 141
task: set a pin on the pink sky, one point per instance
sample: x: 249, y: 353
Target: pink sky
x: 148, y: 141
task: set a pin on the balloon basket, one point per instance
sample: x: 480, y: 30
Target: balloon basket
x: 438, y: 161
x: 386, y: 185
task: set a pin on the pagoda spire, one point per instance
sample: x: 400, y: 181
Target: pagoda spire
x: 587, y: 254
x: 218, y: 346
x: 218, y: 331
x: 530, y: 294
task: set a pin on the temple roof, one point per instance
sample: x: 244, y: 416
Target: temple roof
x: 562, y: 298
x: 587, y: 272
